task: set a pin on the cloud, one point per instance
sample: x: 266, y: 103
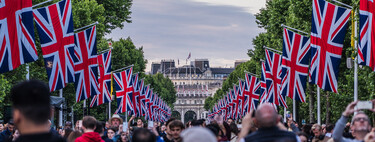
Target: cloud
x: 170, y: 29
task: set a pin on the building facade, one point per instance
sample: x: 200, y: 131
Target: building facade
x: 193, y: 84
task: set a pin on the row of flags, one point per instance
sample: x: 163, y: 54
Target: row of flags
x: 136, y: 98
x: 71, y: 58
x: 316, y: 57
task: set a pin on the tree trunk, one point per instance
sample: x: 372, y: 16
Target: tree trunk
x: 328, y: 108
x: 311, y: 104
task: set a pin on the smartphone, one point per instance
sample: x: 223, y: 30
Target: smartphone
x: 364, y: 105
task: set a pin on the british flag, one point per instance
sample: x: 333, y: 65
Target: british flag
x: 241, y: 98
x: 263, y: 86
x: 142, y: 98
x: 328, y: 30
x: 251, y: 93
x: 366, y: 50
x: 124, y: 90
x: 86, y: 67
x: 135, y: 95
x: 55, y: 28
x: 17, y: 44
x: 105, y: 77
x: 295, y: 65
x: 273, y: 79
x: 149, y: 103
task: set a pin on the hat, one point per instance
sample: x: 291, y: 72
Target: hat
x: 198, y: 134
x: 115, y: 116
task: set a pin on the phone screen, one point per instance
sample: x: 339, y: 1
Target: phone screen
x: 364, y: 105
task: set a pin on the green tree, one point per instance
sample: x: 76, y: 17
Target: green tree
x: 163, y: 86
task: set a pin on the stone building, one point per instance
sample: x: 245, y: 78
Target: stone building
x: 193, y: 84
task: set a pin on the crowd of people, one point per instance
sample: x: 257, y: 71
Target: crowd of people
x: 32, y: 111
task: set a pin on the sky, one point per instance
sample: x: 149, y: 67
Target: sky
x: 218, y: 30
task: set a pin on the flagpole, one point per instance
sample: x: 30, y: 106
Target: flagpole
x: 61, y: 106
x: 274, y: 50
x: 318, y: 102
x: 285, y: 26
x: 122, y: 68
x: 75, y: 30
x: 84, y: 107
x: 294, y: 110
x: 28, y: 72
x: 355, y: 65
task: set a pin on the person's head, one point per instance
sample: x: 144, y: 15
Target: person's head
x: 111, y: 132
x: 302, y: 136
x: 115, y: 121
x: 230, y: 120
x: 143, y: 135
x: 329, y: 128
x: 176, y: 127
x: 31, y: 104
x: 140, y: 122
x: 10, y: 126
x: 88, y: 123
x: 99, y: 128
x: 74, y: 135
x: 317, y: 130
x: 168, y: 131
x: 198, y: 134
x: 1, y: 127
x: 360, y: 123
x: 68, y: 124
x: 124, y: 136
x: 67, y: 132
x: 163, y: 128
x: 234, y: 128
x: 215, y: 129
x: 266, y: 116
x: 197, y: 123
x: 15, y: 135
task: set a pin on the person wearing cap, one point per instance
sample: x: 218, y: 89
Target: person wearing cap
x: 115, y: 121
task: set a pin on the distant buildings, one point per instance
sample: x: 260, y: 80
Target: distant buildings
x: 193, y: 84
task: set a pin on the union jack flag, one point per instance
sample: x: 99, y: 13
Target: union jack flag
x: 142, y: 98
x: 295, y: 65
x: 251, y: 93
x: 149, y: 103
x: 124, y: 90
x: 55, y: 28
x: 366, y: 50
x: 263, y: 86
x: 236, y: 102
x: 105, y: 77
x: 241, y: 98
x: 273, y: 79
x: 135, y: 95
x: 86, y: 68
x: 17, y: 44
x: 328, y: 30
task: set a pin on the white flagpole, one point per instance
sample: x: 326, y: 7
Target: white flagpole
x: 84, y: 107
x: 355, y: 65
x: 318, y: 102
x: 28, y: 72
x: 61, y: 112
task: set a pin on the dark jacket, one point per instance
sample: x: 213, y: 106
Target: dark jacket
x: 89, y: 137
x: 5, y: 135
x: 272, y: 134
x: 42, y: 137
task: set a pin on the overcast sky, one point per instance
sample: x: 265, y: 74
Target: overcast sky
x: 218, y: 30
